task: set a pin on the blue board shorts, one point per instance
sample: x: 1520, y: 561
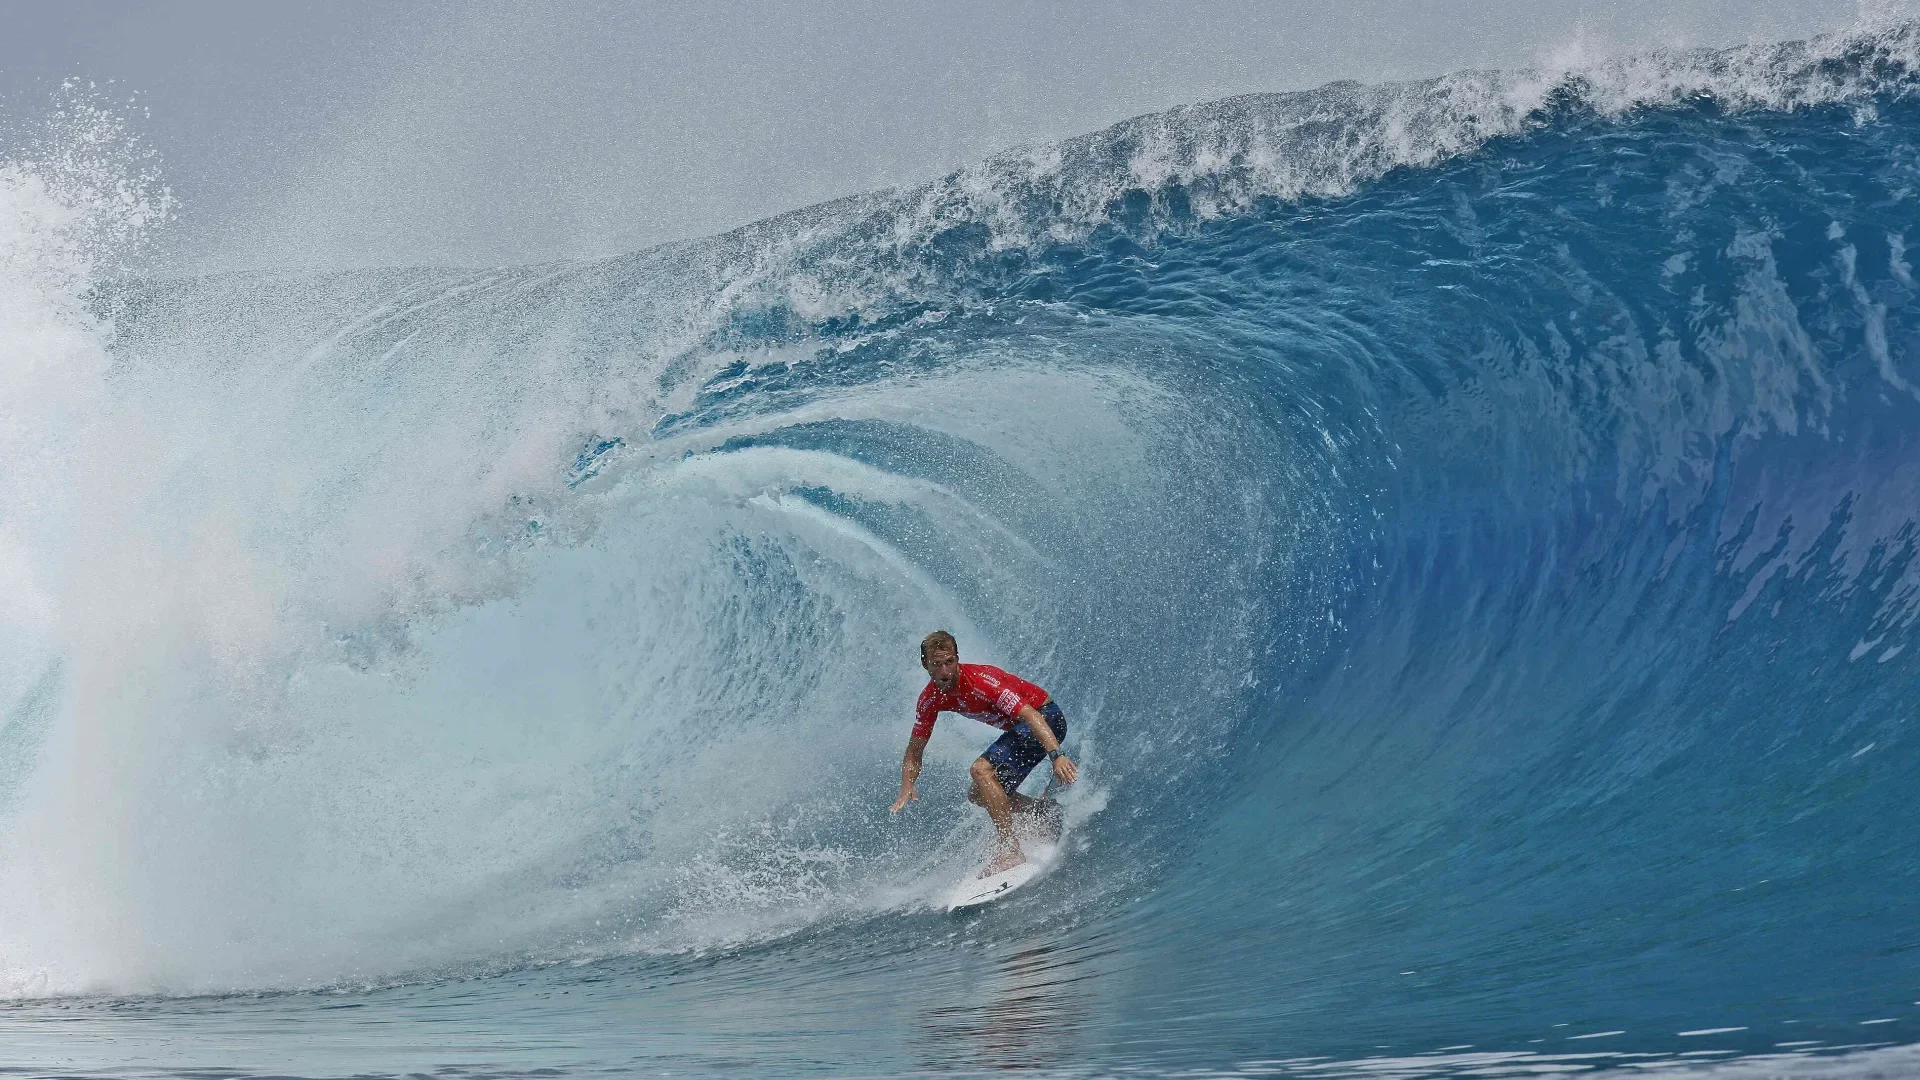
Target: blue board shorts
x: 1014, y: 754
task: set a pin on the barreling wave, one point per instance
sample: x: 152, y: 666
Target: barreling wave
x: 1468, y: 523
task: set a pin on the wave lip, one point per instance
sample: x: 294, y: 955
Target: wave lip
x: 870, y: 256
x: 1223, y: 157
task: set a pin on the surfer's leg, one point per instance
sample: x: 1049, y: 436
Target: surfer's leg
x: 1015, y: 755
x: 1012, y: 756
x: 987, y: 792
x: 1018, y: 803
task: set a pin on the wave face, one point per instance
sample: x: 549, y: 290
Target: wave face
x: 1470, y: 526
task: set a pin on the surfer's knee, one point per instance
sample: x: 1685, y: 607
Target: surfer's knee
x: 982, y: 776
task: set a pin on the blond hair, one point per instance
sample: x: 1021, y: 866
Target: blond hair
x: 939, y: 639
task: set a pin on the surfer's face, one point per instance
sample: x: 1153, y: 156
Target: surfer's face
x: 942, y: 667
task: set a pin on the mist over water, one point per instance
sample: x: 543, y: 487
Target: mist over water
x: 1468, y: 523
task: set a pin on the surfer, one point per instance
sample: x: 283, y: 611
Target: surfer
x: 985, y: 693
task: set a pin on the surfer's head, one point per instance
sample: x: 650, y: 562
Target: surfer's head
x: 940, y: 655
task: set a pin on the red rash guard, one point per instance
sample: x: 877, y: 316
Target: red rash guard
x: 982, y: 692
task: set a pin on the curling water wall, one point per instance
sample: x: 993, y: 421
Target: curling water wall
x: 1469, y: 526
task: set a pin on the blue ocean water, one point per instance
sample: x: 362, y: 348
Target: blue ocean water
x: 1469, y: 524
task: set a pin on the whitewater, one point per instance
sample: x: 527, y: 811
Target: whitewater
x: 1470, y: 523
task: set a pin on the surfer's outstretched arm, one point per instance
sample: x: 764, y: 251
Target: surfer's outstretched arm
x: 909, y: 772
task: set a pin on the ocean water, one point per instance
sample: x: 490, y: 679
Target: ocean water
x: 1470, y: 526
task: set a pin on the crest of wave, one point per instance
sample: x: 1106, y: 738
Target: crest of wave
x: 1173, y: 169
x: 1224, y: 155
x: 872, y: 253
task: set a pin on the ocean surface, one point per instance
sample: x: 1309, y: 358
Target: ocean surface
x: 1470, y: 526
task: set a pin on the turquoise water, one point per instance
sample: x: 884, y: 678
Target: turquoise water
x: 1470, y: 525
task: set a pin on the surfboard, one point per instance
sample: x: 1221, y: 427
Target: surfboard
x: 1041, y: 838
x: 976, y: 891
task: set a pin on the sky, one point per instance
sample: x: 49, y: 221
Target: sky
x: 351, y: 133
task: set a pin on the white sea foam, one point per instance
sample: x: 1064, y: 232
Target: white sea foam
x: 74, y: 199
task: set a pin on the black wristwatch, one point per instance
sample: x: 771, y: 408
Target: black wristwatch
x: 1053, y: 755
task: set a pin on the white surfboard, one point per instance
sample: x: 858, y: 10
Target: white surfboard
x: 974, y: 891
x: 979, y: 890
x: 1041, y: 838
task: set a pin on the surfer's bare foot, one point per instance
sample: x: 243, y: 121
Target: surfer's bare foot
x: 1003, y: 862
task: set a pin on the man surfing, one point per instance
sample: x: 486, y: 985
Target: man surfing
x: 1033, y: 724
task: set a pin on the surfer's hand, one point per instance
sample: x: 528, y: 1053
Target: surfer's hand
x: 1063, y: 768
x: 907, y: 793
